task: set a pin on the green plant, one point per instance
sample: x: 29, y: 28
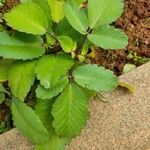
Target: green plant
x: 43, y: 60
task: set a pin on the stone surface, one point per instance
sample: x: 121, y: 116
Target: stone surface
x: 13, y: 140
x: 123, y: 123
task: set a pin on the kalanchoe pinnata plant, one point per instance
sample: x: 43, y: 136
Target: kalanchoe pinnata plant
x: 45, y: 55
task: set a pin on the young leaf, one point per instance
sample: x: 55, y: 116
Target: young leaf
x: 107, y: 37
x: 43, y: 110
x: 76, y: 17
x: 103, y: 12
x: 57, y: 11
x: 95, y: 78
x: 21, y: 46
x: 28, y: 122
x: 43, y: 93
x: 70, y: 111
x: 31, y: 18
x: 5, y: 65
x: 50, y: 69
x: 67, y: 43
x: 21, y: 78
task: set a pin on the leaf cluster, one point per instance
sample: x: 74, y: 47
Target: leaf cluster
x: 45, y: 54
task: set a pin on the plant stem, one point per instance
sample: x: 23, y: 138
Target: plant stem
x: 89, y: 30
x: 52, y: 35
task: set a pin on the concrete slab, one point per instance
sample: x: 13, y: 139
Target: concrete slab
x: 13, y: 140
x: 123, y: 123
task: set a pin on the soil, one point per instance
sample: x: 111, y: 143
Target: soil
x: 8, y: 5
x: 135, y: 22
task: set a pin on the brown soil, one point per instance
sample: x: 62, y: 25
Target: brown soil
x: 8, y: 5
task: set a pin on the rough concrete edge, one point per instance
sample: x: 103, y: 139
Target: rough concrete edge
x: 15, y: 133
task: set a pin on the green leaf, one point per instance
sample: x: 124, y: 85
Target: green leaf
x: 57, y: 11
x: 51, y: 68
x: 2, y: 89
x: 43, y: 93
x: 25, y: 1
x: 76, y: 17
x: 103, y: 12
x: 27, y: 17
x: 55, y: 143
x: 64, y: 28
x: 21, y: 46
x: 21, y: 78
x: 5, y: 65
x: 108, y: 37
x: 43, y: 110
x: 95, y: 78
x: 78, y: 2
x: 28, y: 122
x: 67, y: 43
x: 45, y: 7
x: 70, y: 111
x: 89, y: 93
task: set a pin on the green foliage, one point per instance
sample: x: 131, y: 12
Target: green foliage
x: 67, y: 43
x: 107, y: 12
x: 44, y: 56
x: 20, y: 46
x: 70, y: 111
x: 21, y: 77
x: 5, y: 65
x: 50, y: 69
x: 31, y: 18
x: 43, y: 93
x: 108, y: 37
x: 28, y: 122
x: 65, y: 29
x: 56, y: 8
x: 45, y: 7
x: 76, y: 17
x: 43, y: 110
x: 104, y: 80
